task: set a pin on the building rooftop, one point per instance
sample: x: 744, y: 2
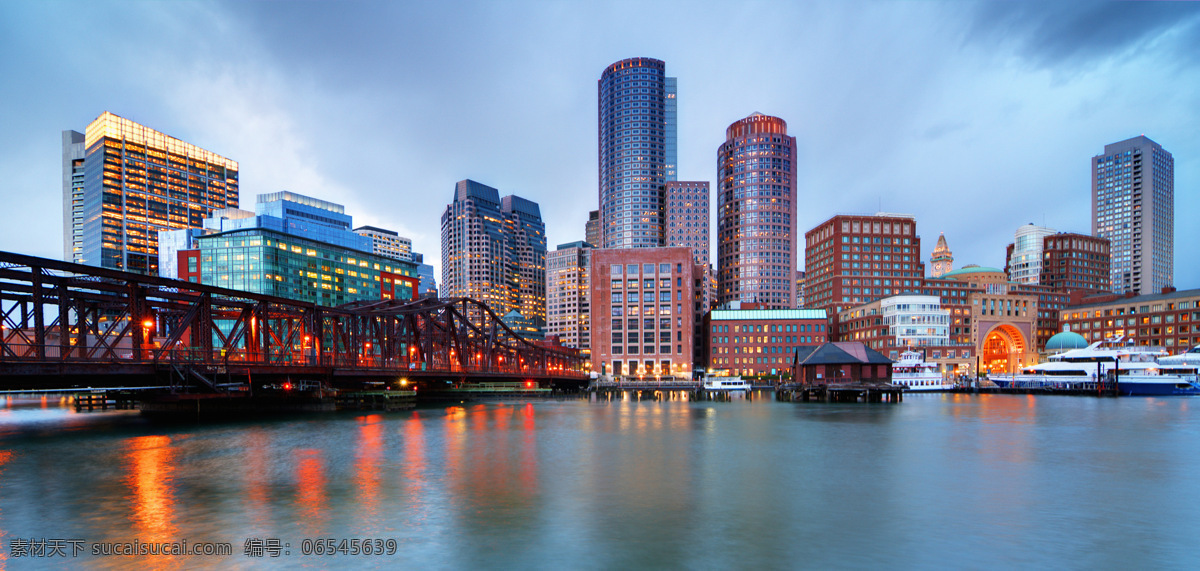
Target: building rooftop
x: 763, y: 314
x: 972, y: 270
x: 1066, y: 340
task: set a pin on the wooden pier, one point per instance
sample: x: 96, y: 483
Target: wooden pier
x: 841, y: 393
x: 104, y: 400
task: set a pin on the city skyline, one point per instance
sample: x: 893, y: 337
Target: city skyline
x: 976, y: 119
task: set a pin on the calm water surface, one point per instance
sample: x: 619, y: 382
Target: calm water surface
x: 938, y: 481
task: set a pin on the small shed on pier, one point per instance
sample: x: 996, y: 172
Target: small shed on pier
x: 845, y: 362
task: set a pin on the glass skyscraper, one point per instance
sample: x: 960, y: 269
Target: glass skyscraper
x: 756, y: 213
x: 135, y: 182
x: 1133, y: 205
x: 637, y: 142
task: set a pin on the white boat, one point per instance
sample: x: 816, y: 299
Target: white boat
x: 726, y: 384
x: 1131, y: 369
x: 914, y: 374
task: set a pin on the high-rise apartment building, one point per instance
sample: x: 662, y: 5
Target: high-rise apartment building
x: 1133, y: 206
x: 568, y: 308
x: 687, y: 217
x: 494, y: 251
x: 1023, y: 259
x: 756, y: 213
x: 1076, y: 262
x: 387, y: 243
x: 637, y: 143
x: 136, y: 182
x: 851, y: 260
x: 591, y: 230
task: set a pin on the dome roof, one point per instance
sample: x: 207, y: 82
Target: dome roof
x: 1066, y: 340
x: 972, y: 270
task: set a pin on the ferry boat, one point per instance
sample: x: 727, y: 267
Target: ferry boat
x: 914, y: 374
x: 1135, y: 370
x: 726, y: 384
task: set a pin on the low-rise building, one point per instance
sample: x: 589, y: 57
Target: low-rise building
x: 1170, y: 319
x: 760, y: 342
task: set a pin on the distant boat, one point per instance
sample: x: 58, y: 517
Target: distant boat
x: 726, y: 384
x: 1135, y: 370
x: 914, y: 374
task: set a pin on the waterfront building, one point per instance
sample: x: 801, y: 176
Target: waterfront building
x: 494, y: 251
x: 291, y: 246
x: 1003, y: 318
x: 637, y: 151
x: 760, y: 342
x: 1133, y: 206
x: 895, y: 324
x: 645, y: 305
x: 591, y: 230
x: 1023, y: 258
x: 853, y: 259
x: 756, y: 213
x: 942, y: 259
x: 568, y: 307
x: 687, y: 217
x: 1170, y: 319
x: 1076, y: 262
x: 124, y: 182
x: 387, y: 243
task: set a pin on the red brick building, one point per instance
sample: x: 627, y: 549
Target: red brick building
x: 852, y: 260
x: 760, y: 342
x: 1073, y: 262
x: 645, y: 304
x: 1170, y: 320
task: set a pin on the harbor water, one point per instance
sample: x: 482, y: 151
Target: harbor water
x: 938, y: 481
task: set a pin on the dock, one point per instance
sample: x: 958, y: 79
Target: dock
x: 840, y: 393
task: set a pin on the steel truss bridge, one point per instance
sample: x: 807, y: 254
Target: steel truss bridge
x: 65, y: 325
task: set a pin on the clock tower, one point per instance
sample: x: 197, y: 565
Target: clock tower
x: 942, y: 259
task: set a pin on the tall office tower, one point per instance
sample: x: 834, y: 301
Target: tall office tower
x: 591, y: 231
x: 568, y: 299
x: 387, y: 243
x: 687, y: 217
x: 636, y: 127
x: 1133, y: 205
x: 136, y: 182
x: 72, y: 168
x: 1023, y: 260
x: 485, y: 243
x: 428, y: 285
x: 756, y: 213
x: 852, y: 260
x: 942, y: 259
x: 527, y: 234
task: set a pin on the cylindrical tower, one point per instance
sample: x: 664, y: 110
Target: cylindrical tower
x: 635, y: 136
x: 756, y: 213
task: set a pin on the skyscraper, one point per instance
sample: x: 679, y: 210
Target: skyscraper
x: 637, y: 143
x: 591, y: 230
x: 1133, y: 205
x: 136, y: 181
x: 1023, y: 262
x: 687, y: 217
x: 850, y: 260
x: 567, y: 299
x: 756, y: 213
x: 494, y: 251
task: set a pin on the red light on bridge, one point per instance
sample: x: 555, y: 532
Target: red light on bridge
x: 529, y: 384
x: 148, y: 323
x: 287, y: 386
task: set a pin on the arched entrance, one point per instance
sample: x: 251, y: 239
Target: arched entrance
x: 1003, y: 350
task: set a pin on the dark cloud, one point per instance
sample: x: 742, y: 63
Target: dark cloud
x: 1076, y: 33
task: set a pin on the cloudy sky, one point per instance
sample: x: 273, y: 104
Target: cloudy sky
x: 974, y: 117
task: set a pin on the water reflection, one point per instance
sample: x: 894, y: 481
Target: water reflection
x: 151, y: 472
x: 310, y: 491
x: 368, y: 469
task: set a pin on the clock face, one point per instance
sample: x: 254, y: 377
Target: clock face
x: 938, y: 266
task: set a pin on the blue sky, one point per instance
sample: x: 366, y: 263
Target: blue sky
x: 974, y: 117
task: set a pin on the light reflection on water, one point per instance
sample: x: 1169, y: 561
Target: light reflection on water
x: 937, y: 481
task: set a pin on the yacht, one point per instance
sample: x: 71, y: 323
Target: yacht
x: 914, y: 374
x: 726, y: 384
x: 1133, y: 370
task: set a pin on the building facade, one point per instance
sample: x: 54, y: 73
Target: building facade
x: 494, y: 251
x: 851, y: 260
x: 687, y: 217
x: 756, y: 213
x: 387, y: 243
x: 1076, y: 262
x: 1023, y: 258
x: 637, y: 141
x: 1170, y: 319
x: 568, y: 295
x: 910, y: 322
x: 136, y: 182
x: 591, y: 230
x: 760, y: 342
x: 644, y: 311
x: 1133, y: 206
